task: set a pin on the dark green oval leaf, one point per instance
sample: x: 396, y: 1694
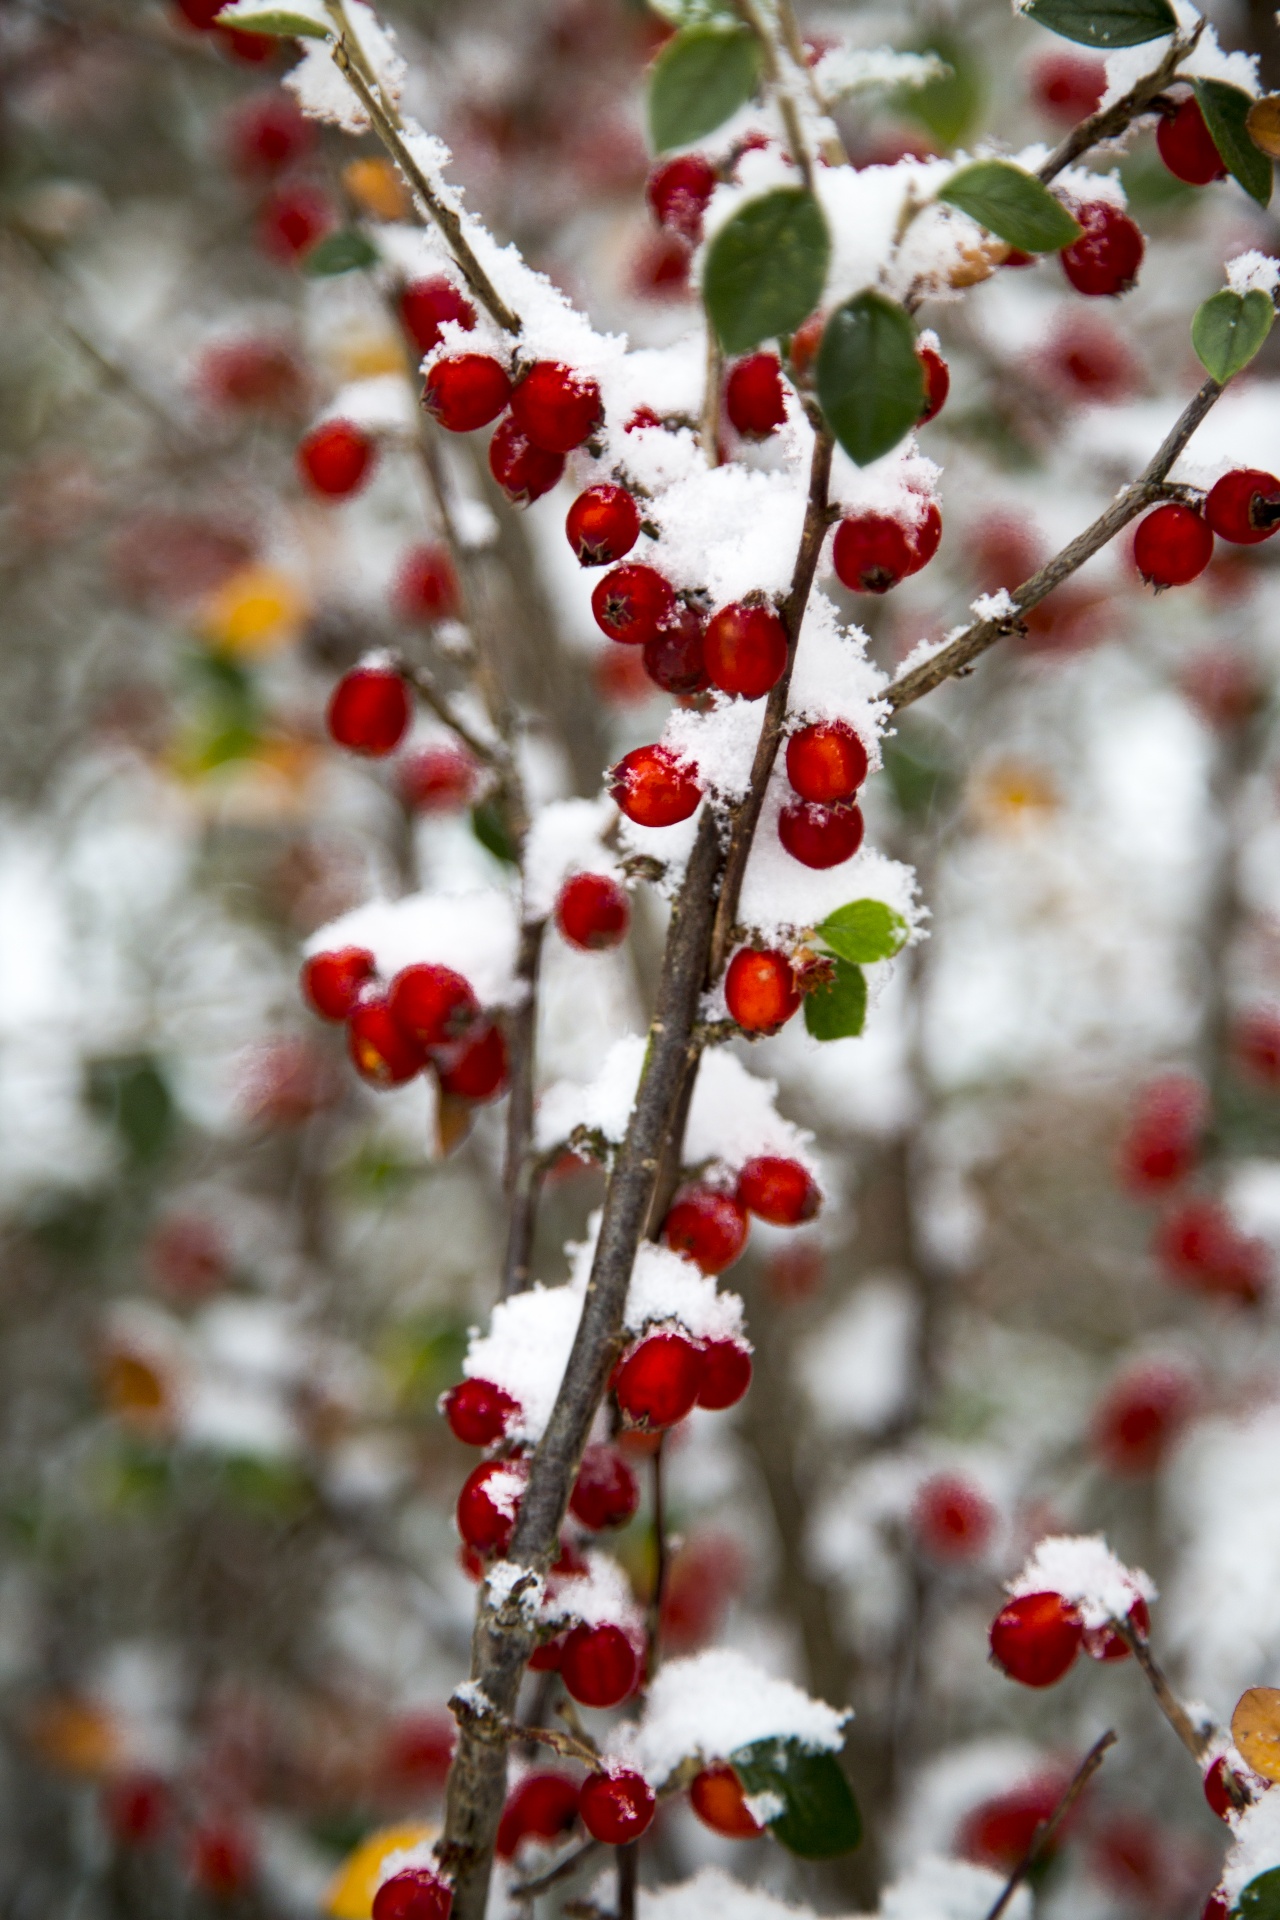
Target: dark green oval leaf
x: 820, y: 1817
x: 1228, y: 330
x: 1012, y: 204
x: 864, y: 931
x: 699, y: 80
x: 1260, y: 1900
x: 870, y: 381
x: 489, y: 829
x: 838, y: 1011
x: 1225, y: 111
x: 280, y: 23
x: 1105, y: 23
x: 340, y: 252
x: 766, y: 269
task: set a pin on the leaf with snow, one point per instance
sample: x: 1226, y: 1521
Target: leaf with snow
x: 819, y: 1818
x: 838, y: 1009
x: 699, y: 81
x: 1226, y: 112
x: 1105, y: 23
x: 341, y: 252
x: 864, y: 931
x: 870, y: 382
x: 766, y: 268
x: 280, y: 23
x: 1228, y: 330
x: 1013, y: 204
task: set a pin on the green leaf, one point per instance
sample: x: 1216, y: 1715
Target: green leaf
x: 1260, y: 1900
x: 340, y: 252
x: 870, y: 381
x: 1225, y: 111
x: 1105, y: 23
x: 951, y: 104
x: 281, y: 23
x: 838, y: 1010
x: 864, y: 931
x: 1228, y: 330
x: 766, y: 269
x: 133, y: 1095
x: 1012, y: 204
x: 699, y: 81
x: 486, y: 824
x: 820, y: 1817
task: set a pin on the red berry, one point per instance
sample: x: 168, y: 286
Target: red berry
x: 547, y: 1657
x: 605, y: 1493
x: 293, y: 219
x: 543, y: 1807
x: 1199, y: 1247
x: 1068, y: 85
x: 369, y: 711
x: 1086, y: 357
x: 336, y: 458
x: 200, y: 14
x: 826, y: 762
x: 439, y: 779
x: 332, y: 982
x: 760, y: 989
x: 616, y: 1807
x: 524, y: 471
x: 717, y: 1798
x: 557, y: 407
x: 1162, y: 1143
x: 654, y: 788
x: 952, y: 1521
x: 599, y: 1666
x: 707, y: 1225
x: 873, y: 551
x: 416, y: 1893
x: 1218, y: 1784
x: 1256, y: 1043
x: 254, y: 375
x: 1216, y: 1907
x: 593, y: 911
x: 380, y: 1048
x: 1106, y: 257
x: 1244, y: 506
x: 1105, y: 1643
x: 603, y: 524
x: 1186, y: 145
x: 426, y: 586
x: 267, y: 133
x: 657, y: 1383
x: 464, y: 391
x: 222, y: 1861
x: 1141, y: 1415
x: 675, y: 658
x: 937, y: 383
x: 660, y: 267
x: 820, y: 836
x: 1172, y: 545
x: 136, y: 1808
x: 425, y: 305
x: 633, y: 603
x: 418, y: 1750
x: 753, y: 396
x: 433, y: 1003
x: 778, y: 1190
x: 726, y: 1375
x: 489, y: 1502
x: 1035, y: 1638
x: 745, y: 649
x: 805, y: 342
x: 678, y: 191
x: 478, y: 1412
x: 479, y: 1070
x: 997, y: 1832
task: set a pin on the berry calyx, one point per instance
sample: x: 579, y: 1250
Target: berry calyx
x: 479, y: 1070
x: 464, y: 391
x: 437, y: 779
x: 745, y: 649
x: 602, y: 525
x: 778, y: 1190
x: 605, y: 1493
x: 524, y: 471
x: 654, y: 788
x: 678, y: 191
x: 657, y: 1383
x: 1107, y: 256
x: 717, y: 1798
x: 826, y: 762
x: 1035, y: 1638
x: 874, y: 552
x: 425, y: 305
x: 1244, y: 506
x: 426, y: 586
x: 616, y: 1807
x: 433, y: 1003
x: 332, y: 982
x: 599, y: 1665
x: 707, y: 1225
x: 414, y: 1894
x: 593, y: 912
x: 951, y: 1520
x: 369, y: 711
x: 726, y: 1375
x: 1141, y: 1415
x: 489, y: 1502
x: 633, y: 603
x: 754, y: 396
x: 556, y: 406
x: 336, y: 458
x: 1186, y: 145
x: 478, y: 1412
x: 937, y: 383
x: 820, y: 836
x: 381, y: 1050
x: 1172, y: 545
x: 675, y: 658
x: 543, y: 1807
x: 760, y: 989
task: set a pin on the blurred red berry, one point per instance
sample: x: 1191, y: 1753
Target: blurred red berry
x: 1200, y: 1248
x: 293, y: 219
x: 222, y: 1860
x: 1087, y: 358
x: 678, y: 191
x: 593, y: 911
x: 1256, y: 1045
x: 1068, y: 85
x: 1140, y: 1416
x: 605, y: 1492
x: 188, y: 1256
x: 254, y: 376
x: 268, y: 133
x: 998, y: 1832
x: 336, y: 458
x: 369, y: 711
x: 419, y: 1749
x: 951, y: 1519
x: 426, y: 585
x: 332, y: 982
x: 480, y: 1069
x: 437, y: 779
x: 137, y: 1807
x: 1162, y: 1141
x: 542, y: 1807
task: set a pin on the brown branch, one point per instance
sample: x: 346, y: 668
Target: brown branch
x: 1198, y: 1742
x: 1110, y: 122
x: 660, y: 1558
x: 522, y: 1178
x: 1047, y: 1828
x: 782, y: 93
x: 628, y: 1860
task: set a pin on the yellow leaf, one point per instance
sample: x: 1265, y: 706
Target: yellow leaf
x: 351, y: 1891
x: 257, y: 610
x: 1262, y: 124
x: 376, y: 188
x: 76, y: 1735
x: 1255, y: 1728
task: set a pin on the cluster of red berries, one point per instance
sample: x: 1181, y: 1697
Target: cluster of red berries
x: 709, y: 1224
x: 547, y: 412
x: 1174, y: 544
x: 615, y: 1806
x: 139, y: 1809
x: 369, y: 713
x: 1036, y: 1637
x: 427, y: 1017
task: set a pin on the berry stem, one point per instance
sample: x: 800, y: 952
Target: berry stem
x: 773, y: 67
x: 522, y: 1176
x: 709, y: 425
x: 1197, y: 1740
x: 1109, y: 122
x: 1047, y: 1828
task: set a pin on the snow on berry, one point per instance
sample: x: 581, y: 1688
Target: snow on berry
x: 1083, y: 1569
x: 474, y: 933
x: 565, y: 837
x: 712, y: 1704
x: 599, y: 1597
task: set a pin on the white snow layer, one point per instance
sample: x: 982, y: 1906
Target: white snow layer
x: 565, y: 837
x: 714, y: 1703
x: 1083, y: 1569
x: 474, y: 933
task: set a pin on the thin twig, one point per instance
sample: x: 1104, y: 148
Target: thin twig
x: 430, y: 695
x: 527, y: 1889
x: 1198, y: 1741
x: 781, y: 91
x: 523, y: 1173
x: 1047, y: 1828
x: 1110, y: 122
x: 628, y: 1860
x: 659, y: 1559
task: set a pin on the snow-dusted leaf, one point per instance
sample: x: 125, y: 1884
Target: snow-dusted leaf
x: 1105, y: 23
x: 340, y: 252
x: 819, y: 1818
x: 870, y: 382
x: 1255, y: 1728
x: 699, y: 80
x: 280, y: 23
x: 766, y: 269
x: 1226, y: 111
x: 838, y: 1010
x: 1012, y: 204
x: 1260, y: 1900
x: 864, y: 931
x: 1228, y: 330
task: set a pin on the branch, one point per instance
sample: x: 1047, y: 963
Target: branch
x: 527, y: 1889
x: 1198, y: 1742
x: 1047, y: 1828
x: 523, y: 1171
x: 782, y: 93
x: 1110, y: 122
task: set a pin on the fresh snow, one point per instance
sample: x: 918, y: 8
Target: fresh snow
x: 714, y: 1703
x: 474, y: 933
x: 1083, y: 1569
